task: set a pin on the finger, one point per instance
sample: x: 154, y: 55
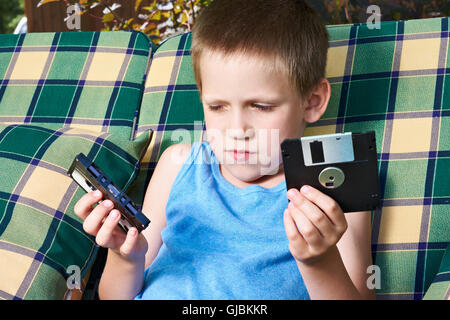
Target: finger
x: 327, y: 204
x: 295, y: 238
x: 318, y: 218
x: 106, y: 233
x: 130, y: 242
x: 309, y: 232
x: 83, y: 207
x: 93, y: 222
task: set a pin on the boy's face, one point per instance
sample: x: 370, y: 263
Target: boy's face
x: 248, y: 108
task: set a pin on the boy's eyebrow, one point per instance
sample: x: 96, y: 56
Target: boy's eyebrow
x: 273, y: 100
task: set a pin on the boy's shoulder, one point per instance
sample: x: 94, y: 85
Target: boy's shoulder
x: 166, y: 170
x: 176, y: 154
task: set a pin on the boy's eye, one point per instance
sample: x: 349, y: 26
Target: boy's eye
x: 262, y: 107
x: 215, y: 107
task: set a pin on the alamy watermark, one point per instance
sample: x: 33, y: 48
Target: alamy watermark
x: 73, y: 19
x: 374, y: 280
x: 261, y: 146
x: 74, y: 278
x: 374, y: 20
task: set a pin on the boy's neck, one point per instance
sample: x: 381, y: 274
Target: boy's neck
x: 266, y: 181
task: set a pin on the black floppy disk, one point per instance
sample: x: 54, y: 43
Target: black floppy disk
x: 342, y: 165
x: 89, y: 177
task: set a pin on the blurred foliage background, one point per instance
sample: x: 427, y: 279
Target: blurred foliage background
x: 11, y: 11
x: 355, y: 11
x: 160, y: 19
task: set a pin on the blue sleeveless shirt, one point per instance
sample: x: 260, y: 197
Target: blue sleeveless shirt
x: 220, y: 241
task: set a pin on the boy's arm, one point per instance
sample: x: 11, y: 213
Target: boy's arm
x: 356, y: 252
x: 157, y: 195
x: 121, y: 278
x: 332, y: 249
x: 341, y: 273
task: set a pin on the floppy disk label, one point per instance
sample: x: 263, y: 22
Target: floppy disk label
x: 327, y: 149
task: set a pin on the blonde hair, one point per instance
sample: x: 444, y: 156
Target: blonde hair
x: 288, y: 34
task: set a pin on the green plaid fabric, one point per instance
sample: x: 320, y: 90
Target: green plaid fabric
x: 40, y: 235
x: 395, y: 81
x: 440, y: 287
x: 61, y: 94
x: 91, y: 80
x: 171, y: 106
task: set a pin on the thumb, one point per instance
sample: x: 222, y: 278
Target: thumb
x: 130, y: 242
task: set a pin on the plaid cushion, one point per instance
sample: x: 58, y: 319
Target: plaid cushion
x: 170, y: 107
x: 91, y: 80
x: 440, y: 287
x: 395, y: 81
x: 40, y: 236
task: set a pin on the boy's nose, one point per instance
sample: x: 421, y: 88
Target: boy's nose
x: 240, y: 128
x: 240, y: 133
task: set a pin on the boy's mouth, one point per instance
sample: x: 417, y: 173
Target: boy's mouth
x: 240, y: 154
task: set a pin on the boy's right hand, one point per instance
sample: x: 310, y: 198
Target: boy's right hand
x: 102, y: 223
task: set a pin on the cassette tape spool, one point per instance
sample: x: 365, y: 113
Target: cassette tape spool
x: 89, y: 177
x: 342, y: 165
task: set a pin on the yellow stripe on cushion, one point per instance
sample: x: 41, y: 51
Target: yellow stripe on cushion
x: 411, y: 135
x: 400, y: 224
x: 414, y: 57
x: 319, y: 130
x: 14, y: 267
x: 29, y: 66
x: 160, y: 72
x: 50, y: 194
x: 105, y: 66
x: 336, y: 62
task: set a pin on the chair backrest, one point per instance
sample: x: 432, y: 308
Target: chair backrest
x: 393, y: 80
x: 62, y: 94
x: 88, y: 80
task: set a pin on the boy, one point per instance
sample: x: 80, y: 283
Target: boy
x: 223, y: 225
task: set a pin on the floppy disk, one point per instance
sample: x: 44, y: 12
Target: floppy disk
x: 89, y: 177
x: 342, y: 165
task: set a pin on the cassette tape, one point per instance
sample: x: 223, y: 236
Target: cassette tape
x: 89, y: 177
x: 342, y: 165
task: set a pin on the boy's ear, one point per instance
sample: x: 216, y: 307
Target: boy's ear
x: 317, y: 102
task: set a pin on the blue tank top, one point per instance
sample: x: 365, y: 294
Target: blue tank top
x: 220, y: 241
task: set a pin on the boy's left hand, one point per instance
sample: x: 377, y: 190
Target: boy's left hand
x: 314, y: 223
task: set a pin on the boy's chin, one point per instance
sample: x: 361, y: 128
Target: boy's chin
x: 255, y: 165
x: 251, y: 172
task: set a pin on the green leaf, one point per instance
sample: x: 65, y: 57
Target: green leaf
x: 137, y: 5
x: 108, y: 17
x: 166, y: 14
x: 157, y: 16
x: 184, y: 17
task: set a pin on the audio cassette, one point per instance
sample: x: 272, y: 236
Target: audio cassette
x: 342, y: 165
x: 90, y: 178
